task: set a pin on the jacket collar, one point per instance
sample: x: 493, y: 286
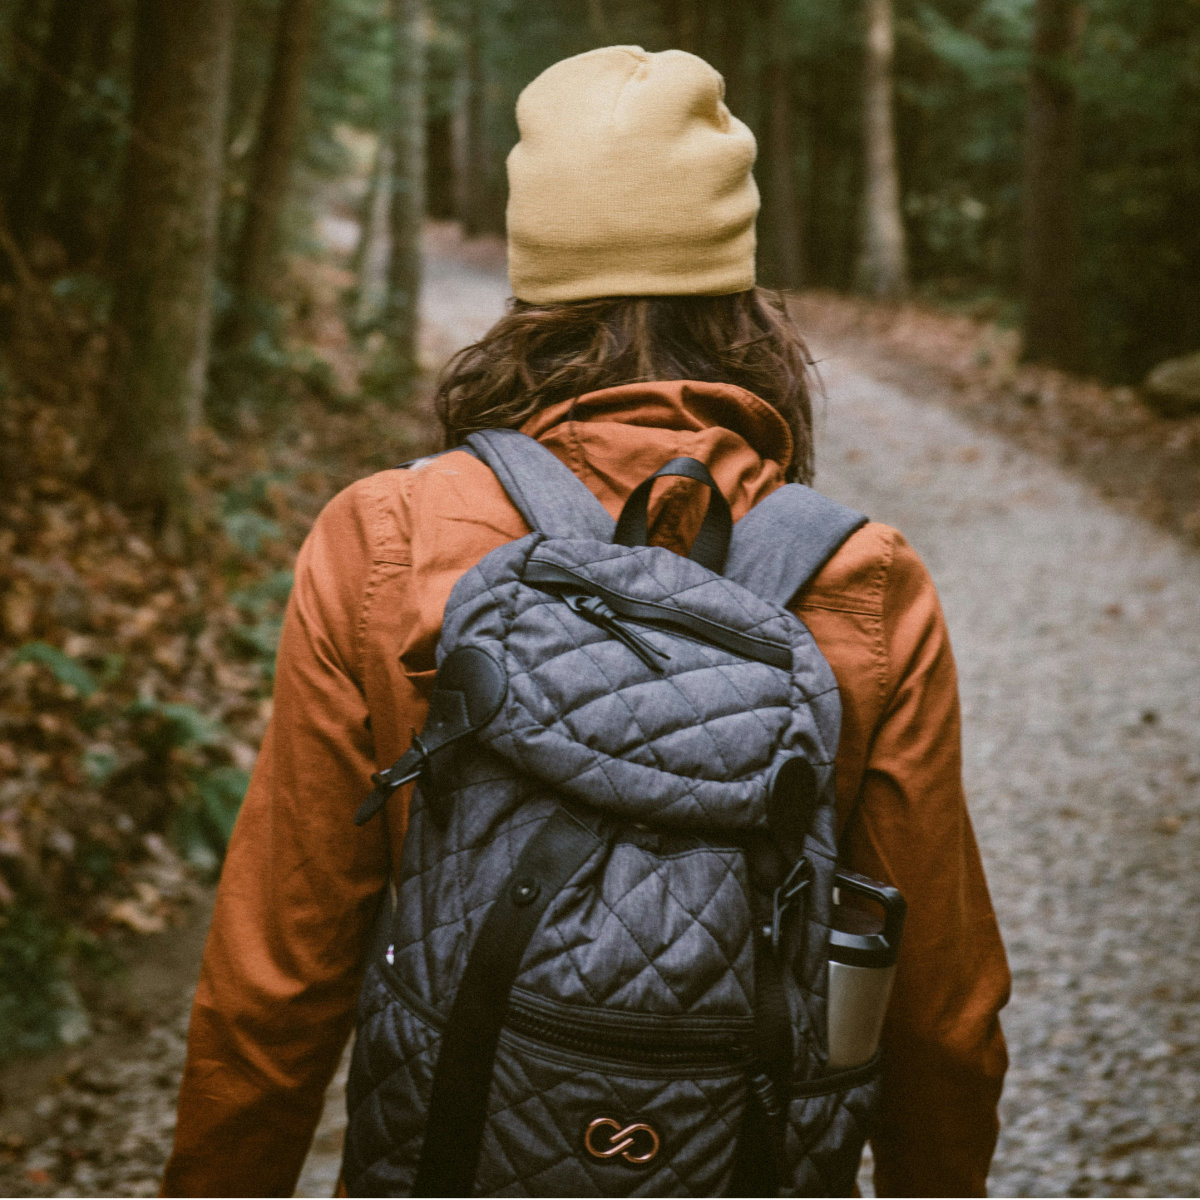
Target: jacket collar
x: 685, y: 406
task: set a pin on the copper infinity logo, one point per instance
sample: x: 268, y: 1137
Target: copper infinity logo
x: 621, y: 1140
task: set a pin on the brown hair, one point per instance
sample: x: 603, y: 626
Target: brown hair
x: 539, y: 354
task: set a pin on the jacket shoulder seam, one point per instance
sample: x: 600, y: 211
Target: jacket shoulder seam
x: 883, y: 658
x: 382, y: 523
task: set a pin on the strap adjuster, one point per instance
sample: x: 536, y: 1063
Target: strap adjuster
x: 787, y: 896
x: 404, y: 770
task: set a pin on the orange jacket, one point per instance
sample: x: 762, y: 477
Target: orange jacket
x: 301, y: 883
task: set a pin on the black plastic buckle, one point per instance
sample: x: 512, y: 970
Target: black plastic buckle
x: 787, y: 896
x: 404, y: 770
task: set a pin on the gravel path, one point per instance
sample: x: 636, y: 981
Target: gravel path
x: 1078, y: 644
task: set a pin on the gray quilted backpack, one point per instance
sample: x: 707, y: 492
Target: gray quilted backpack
x: 606, y: 964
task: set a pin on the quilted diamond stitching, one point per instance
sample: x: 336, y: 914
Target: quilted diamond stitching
x: 620, y: 1100
x: 486, y: 606
x: 625, y: 983
x: 463, y: 917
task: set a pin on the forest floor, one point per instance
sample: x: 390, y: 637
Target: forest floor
x: 1059, y: 520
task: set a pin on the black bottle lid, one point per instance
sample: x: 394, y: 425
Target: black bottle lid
x: 866, y: 935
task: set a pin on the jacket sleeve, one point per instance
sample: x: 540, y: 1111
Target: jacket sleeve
x: 943, y: 1052
x: 297, y: 896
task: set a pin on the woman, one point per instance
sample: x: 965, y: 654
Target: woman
x: 636, y: 335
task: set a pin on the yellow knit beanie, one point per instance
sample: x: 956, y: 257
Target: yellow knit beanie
x: 631, y: 178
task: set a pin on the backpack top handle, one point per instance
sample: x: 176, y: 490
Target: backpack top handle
x: 712, y: 541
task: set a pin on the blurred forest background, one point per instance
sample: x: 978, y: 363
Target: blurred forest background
x: 210, y: 228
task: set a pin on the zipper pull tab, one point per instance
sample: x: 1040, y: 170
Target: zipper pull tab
x: 594, y: 609
x: 647, y: 652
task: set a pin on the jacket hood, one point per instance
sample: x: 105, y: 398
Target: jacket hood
x: 615, y: 437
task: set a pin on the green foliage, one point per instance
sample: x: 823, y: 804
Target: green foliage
x: 259, y: 640
x: 265, y: 595
x: 202, y: 826
x: 39, y: 1007
x: 348, y: 83
x: 249, y: 529
x: 63, y: 667
x: 202, y: 819
x: 262, y: 606
x: 961, y: 115
x: 1139, y: 83
x: 961, y: 88
x: 220, y: 792
x: 99, y: 765
x: 246, y: 516
x: 171, y: 726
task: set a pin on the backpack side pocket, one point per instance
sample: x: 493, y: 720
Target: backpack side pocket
x: 391, y: 1072
x: 829, y: 1122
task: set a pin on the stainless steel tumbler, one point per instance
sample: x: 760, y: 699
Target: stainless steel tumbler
x: 868, y: 918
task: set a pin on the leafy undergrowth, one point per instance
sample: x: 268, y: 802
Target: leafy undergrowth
x: 1142, y: 461
x: 135, y: 683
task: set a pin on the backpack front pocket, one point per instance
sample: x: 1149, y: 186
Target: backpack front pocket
x: 582, y: 1106
x: 580, y: 1102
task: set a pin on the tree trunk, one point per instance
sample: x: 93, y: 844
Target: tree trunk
x: 83, y: 211
x: 398, y: 369
x: 372, y: 254
x: 439, y: 160
x: 474, y: 180
x: 729, y: 57
x: 598, y: 27
x: 781, y: 260
x: 254, y: 263
x: 687, y: 25
x: 55, y: 65
x: 1051, y: 243
x: 882, y: 265
x: 164, y: 275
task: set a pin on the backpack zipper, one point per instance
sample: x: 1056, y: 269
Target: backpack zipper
x: 615, y: 612
x: 656, y: 1042
x: 646, y: 1042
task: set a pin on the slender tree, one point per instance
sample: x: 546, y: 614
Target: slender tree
x: 882, y: 265
x: 439, y: 163
x: 371, y: 254
x: 54, y: 65
x: 165, y: 258
x: 82, y: 211
x: 399, y: 319
x: 687, y: 21
x: 1051, y: 243
x: 781, y: 209
x: 275, y: 147
x: 473, y: 178
x: 598, y: 27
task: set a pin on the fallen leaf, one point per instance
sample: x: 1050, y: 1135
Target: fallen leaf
x: 20, y: 608
x: 131, y: 914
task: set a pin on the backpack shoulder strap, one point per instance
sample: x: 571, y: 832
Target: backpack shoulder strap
x: 784, y: 540
x: 546, y: 492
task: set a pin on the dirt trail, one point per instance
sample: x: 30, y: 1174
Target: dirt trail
x: 1078, y: 645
